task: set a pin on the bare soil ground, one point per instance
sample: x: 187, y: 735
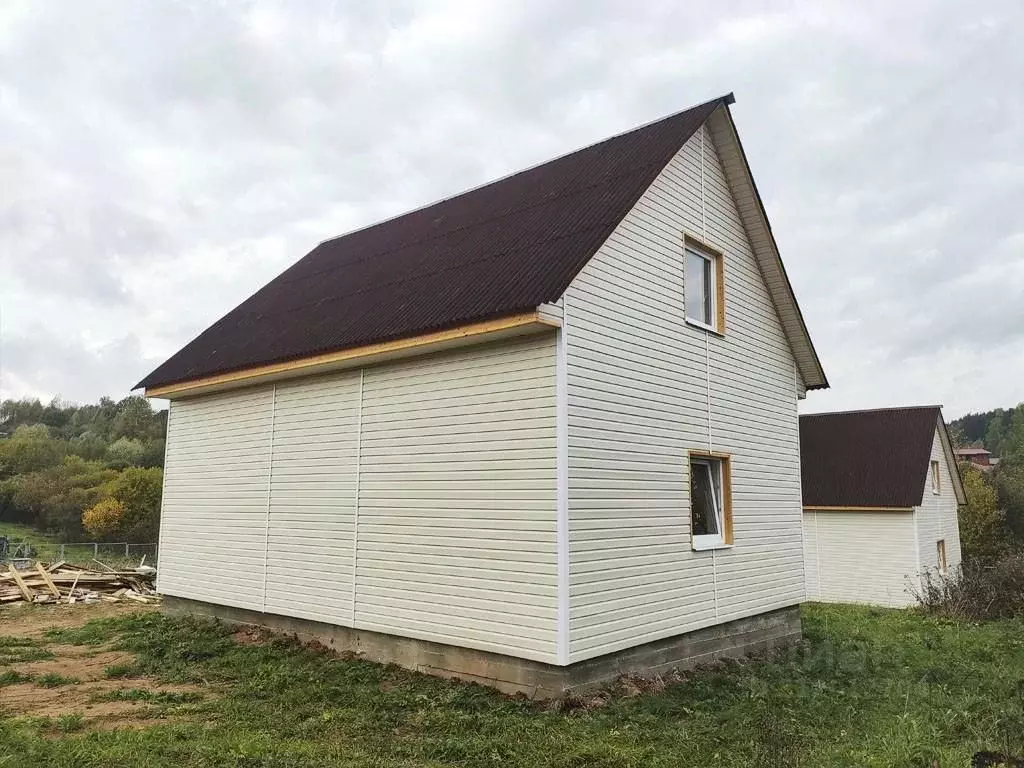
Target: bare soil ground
x: 87, y: 689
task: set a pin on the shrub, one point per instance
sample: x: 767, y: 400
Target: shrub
x: 139, y: 490
x: 979, y: 590
x: 104, y: 519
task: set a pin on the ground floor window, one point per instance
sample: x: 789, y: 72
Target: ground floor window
x: 940, y: 545
x: 710, y: 500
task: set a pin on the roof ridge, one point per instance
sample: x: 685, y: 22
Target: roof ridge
x: 727, y: 98
x: 937, y: 407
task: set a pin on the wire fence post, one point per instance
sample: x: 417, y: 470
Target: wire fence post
x: 61, y: 552
x: 95, y: 550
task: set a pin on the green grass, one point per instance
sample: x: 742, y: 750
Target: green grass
x: 53, y: 680
x: 18, y: 533
x: 870, y: 688
x: 14, y: 650
x: 163, y: 698
x: 13, y: 677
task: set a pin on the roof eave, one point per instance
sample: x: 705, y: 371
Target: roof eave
x: 508, y: 326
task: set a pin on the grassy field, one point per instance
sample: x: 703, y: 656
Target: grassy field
x: 18, y: 533
x: 870, y: 688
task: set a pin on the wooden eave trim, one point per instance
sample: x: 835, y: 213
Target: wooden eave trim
x: 858, y: 509
x: 470, y: 333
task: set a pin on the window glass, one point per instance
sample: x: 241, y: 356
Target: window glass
x: 704, y: 496
x: 699, y: 287
x: 935, y: 477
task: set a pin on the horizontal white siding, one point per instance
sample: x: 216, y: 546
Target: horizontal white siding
x: 214, y: 520
x: 313, y: 498
x: 440, y: 470
x: 458, y: 498
x: 643, y: 388
x: 860, y: 557
x: 937, y: 517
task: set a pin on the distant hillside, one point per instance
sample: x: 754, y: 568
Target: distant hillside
x: 987, y: 429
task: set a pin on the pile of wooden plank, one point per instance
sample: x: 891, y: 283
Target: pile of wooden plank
x: 61, y: 582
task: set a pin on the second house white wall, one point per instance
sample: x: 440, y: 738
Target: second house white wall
x: 432, y: 479
x: 860, y: 557
x: 937, y: 517
x: 643, y: 388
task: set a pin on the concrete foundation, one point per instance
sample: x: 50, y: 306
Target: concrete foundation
x: 733, y: 639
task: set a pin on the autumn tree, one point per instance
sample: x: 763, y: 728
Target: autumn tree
x: 983, y: 531
x: 104, y: 519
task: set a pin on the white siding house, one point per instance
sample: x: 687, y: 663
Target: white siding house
x: 645, y: 389
x: 876, y: 553
x: 514, y: 480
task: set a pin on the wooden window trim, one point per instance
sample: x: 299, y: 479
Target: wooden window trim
x: 728, y: 537
x: 689, y: 241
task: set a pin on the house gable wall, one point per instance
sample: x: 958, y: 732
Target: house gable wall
x: 937, y: 517
x: 643, y: 388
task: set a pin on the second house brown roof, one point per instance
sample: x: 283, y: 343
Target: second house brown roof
x: 874, y: 458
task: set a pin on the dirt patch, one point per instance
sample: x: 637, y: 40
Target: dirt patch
x: 87, y: 664
x: 90, y: 665
x: 250, y: 635
x: 30, y: 700
x: 35, y: 620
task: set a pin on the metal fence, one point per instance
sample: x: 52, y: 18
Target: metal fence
x: 117, y: 555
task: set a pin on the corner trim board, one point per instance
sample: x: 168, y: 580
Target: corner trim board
x: 562, y: 638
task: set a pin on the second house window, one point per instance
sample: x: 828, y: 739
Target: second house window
x: 710, y: 503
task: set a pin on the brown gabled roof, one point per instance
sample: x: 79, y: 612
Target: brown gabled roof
x: 867, y: 458
x: 498, y: 250
x: 972, y: 452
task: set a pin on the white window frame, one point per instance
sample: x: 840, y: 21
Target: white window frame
x: 716, y: 471
x: 712, y: 287
x: 936, y: 477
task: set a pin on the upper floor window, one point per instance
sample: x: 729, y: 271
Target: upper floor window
x: 936, y: 480
x: 704, y: 290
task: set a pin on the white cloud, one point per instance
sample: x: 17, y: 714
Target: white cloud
x: 160, y: 162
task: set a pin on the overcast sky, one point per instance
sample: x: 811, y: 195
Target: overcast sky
x: 160, y: 161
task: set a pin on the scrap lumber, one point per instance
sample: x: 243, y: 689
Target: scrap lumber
x: 59, y: 581
x: 26, y: 593
x: 46, y: 578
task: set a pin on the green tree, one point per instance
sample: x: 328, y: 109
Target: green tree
x: 29, y: 449
x: 88, y: 445
x: 994, y: 435
x: 125, y: 452
x: 983, y: 531
x: 1012, y: 445
x: 134, y: 419
x: 140, y: 490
